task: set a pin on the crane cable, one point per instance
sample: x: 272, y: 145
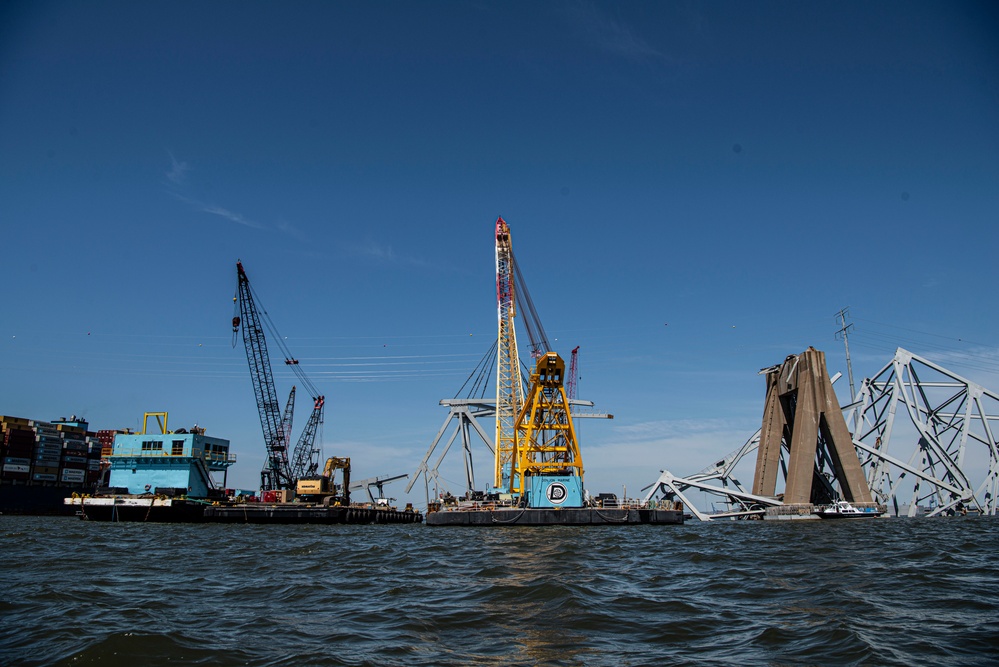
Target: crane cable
x: 535, y: 331
x: 289, y: 360
x: 481, y: 374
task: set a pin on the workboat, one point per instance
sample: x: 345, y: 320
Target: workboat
x: 844, y: 510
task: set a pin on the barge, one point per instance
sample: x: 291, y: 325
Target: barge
x: 159, y: 509
x: 554, y: 516
x: 168, y: 478
x: 308, y: 513
x: 539, y: 471
x: 151, y: 508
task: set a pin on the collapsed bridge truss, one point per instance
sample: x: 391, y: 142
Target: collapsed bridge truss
x: 943, y: 459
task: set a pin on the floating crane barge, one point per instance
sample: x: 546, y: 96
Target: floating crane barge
x: 545, y: 478
x: 319, y: 499
x: 538, y: 466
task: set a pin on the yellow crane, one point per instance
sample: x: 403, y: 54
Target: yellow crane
x: 535, y: 437
x: 547, y: 465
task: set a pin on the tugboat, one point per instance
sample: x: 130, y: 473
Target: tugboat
x: 844, y: 510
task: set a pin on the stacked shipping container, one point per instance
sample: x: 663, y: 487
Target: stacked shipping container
x: 106, y: 438
x: 37, y: 453
x: 18, y: 448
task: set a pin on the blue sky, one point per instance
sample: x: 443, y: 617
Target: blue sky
x: 694, y: 191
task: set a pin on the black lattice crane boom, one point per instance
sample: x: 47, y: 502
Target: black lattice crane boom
x: 278, y: 471
x: 306, y: 459
x: 289, y: 416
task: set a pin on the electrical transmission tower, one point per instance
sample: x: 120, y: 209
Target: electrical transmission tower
x: 844, y: 332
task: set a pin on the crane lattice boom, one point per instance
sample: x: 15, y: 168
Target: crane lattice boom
x: 509, y: 388
x: 570, y: 384
x: 278, y: 472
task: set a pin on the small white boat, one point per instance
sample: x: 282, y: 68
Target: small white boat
x: 844, y: 510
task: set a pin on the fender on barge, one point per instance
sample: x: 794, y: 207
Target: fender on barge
x: 567, y: 516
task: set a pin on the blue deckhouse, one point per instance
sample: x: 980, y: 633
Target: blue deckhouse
x: 177, y: 463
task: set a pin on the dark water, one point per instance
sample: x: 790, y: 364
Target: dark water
x: 886, y: 592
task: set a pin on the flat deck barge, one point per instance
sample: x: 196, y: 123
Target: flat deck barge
x: 292, y: 513
x: 156, y: 509
x: 567, y: 516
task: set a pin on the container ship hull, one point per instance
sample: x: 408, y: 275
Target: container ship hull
x: 42, y: 463
x: 38, y: 499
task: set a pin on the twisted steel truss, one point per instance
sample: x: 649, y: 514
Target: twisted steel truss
x: 934, y: 462
x: 943, y: 460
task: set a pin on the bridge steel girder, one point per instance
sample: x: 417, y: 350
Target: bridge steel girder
x: 950, y: 414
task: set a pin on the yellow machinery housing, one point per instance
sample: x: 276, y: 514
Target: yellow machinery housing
x: 546, y: 439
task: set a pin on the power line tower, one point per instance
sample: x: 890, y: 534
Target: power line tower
x: 844, y: 332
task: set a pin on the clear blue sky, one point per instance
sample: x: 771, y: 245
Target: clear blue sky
x: 694, y: 190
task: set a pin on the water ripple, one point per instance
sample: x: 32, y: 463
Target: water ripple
x: 892, y: 592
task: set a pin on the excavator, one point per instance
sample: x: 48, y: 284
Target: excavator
x: 324, y: 488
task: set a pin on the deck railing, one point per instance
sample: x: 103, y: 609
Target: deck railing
x: 204, y: 454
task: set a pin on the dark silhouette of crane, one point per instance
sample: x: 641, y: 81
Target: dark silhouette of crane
x: 570, y: 385
x: 278, y: 471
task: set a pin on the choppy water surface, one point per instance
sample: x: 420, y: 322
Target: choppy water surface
x: 884, y: 592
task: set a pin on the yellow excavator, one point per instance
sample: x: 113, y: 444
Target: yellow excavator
x: 324, y: 488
